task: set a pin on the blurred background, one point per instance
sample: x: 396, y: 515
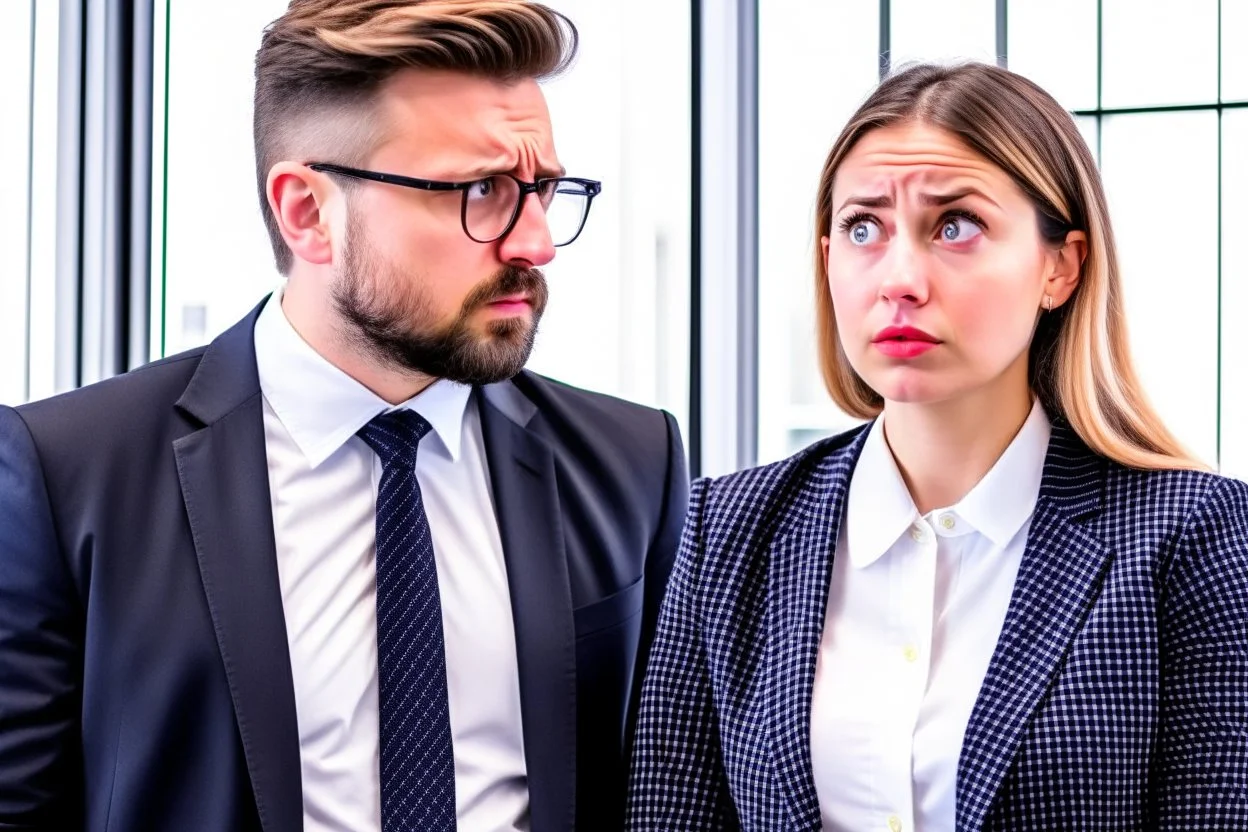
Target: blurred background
x: 130, y: 228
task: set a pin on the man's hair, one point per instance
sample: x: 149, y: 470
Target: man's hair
x: 321, y: 65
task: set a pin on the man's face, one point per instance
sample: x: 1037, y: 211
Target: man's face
x: 412, y: 288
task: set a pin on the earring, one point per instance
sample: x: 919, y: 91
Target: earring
x: 1048, y: 303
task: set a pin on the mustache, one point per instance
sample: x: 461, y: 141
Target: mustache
x: 510, y: 281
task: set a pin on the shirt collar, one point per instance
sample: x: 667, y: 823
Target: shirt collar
x: 1001, y: 502
x: 322, y: 407
x: 880, y: 507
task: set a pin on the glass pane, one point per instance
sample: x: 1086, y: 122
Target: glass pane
x: 1234, y: 425
x: 835, y: 48
x: 618, y: 319
x: 1054, y: 44
x: 44, y: 164
x: 15, y: 92
x: 1161, y: 174
x: 951, y: 30
x: 1090, y: 127
x: 210, y: 174
x: 618, y: 315
x: 1165, y: 55
x: 1234, y: 55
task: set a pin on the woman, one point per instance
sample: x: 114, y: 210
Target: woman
x: 1012, y: 600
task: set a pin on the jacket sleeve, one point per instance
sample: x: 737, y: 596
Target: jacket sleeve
x: 1200, y: 773
x: 40, y: 649
x: 677, y: 779
x: 662, y: 555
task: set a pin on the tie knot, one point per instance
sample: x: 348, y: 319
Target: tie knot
x: 395, y: 436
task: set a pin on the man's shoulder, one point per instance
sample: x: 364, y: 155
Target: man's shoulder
x: 567, y: 407
x: 123, y: 403
x: 588, y: 429
x: 551, y: 388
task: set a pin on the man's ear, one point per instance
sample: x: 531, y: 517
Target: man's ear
x: 299, y: 198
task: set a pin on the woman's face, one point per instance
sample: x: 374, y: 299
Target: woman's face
x: 937, y: 268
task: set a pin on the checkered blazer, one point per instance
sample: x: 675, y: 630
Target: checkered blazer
x: 1116, y: 699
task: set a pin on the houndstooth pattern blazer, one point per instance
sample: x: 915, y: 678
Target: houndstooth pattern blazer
x: 1116, y: 698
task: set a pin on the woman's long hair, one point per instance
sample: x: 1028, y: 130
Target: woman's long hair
x: 1080, y: 365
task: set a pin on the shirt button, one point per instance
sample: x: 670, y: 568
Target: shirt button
x: 911, y: 653
x: 948, y: 521
x: 894, y: 824
x: 918, y: 532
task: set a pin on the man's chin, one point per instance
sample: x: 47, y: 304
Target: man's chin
x: 516, y: 329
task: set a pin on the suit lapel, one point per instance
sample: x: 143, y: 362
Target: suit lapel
x: 1061, y: 574
x: 799, y: 572
x: 223, y: 472
x: 526, y: 500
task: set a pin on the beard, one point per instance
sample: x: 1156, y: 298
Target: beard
x: 391, y: 317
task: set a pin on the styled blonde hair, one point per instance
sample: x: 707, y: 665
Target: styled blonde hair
x: 321, y: 64
x: 1079, y: 365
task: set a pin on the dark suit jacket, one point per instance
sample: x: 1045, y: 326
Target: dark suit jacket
x: 1116, y: 698
x: 145, y: 680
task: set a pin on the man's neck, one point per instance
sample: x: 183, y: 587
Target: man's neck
x: 319, y: 326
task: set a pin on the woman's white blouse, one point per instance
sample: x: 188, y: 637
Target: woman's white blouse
x: 914, y: 612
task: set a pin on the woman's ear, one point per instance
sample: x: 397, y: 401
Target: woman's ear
x: 1065, y: 267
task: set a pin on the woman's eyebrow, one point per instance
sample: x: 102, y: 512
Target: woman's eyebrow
x: 939, y: 200
x: 867, y: 202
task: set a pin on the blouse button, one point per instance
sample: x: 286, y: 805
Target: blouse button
x: 894, y: 824
x: 948, y: 521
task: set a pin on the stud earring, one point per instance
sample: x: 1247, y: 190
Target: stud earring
x: 1048, y: 303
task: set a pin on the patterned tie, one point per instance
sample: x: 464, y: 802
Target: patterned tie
x: 417, y: 760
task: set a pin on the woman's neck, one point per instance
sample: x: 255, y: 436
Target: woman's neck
x: 944, y: 449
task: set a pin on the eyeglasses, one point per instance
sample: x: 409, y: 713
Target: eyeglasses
x: 492, y: 205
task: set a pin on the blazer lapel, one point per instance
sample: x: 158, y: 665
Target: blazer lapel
x: 1060, y: 576
x: 224, y: 477
x: 799, y: 572
x: 526, y: 500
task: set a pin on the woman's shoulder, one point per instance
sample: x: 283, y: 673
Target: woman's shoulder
x: 1174, y: 487
x: 735, y: 520
x: 1185, y: 500
x: 765, y: 489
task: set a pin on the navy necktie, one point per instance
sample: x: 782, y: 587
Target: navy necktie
x: 417, y: 759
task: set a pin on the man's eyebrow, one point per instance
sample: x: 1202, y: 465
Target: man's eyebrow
x: 502, y: 170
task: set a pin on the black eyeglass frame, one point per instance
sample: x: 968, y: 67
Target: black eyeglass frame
x: 592, y: 189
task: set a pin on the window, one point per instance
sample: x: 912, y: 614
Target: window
x: 833, y: 55
x: 16, y: 38
x: 1233, y: 383
x: 29, y: 43
x: 1161, y: 175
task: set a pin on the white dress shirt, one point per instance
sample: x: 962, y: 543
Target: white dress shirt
x: 915, y: 609
x: 323, y: 480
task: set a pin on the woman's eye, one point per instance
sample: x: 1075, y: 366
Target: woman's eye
x: 959, y: 230
x: 864, y: 233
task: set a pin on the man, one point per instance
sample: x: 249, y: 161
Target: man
x: 349, y: 567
